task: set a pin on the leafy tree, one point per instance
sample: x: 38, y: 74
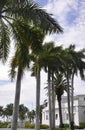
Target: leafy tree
x: 22, y: 112
x: 31, y: 115
x: 1, y: 110
x: 8, y: 110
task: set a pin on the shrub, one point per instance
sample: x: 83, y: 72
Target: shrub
x: 44, y: 126
x: 82, y: 124
x: 3, y: 124
x: 32, y: 126
x: 66, y: 125
x: 28, y: 125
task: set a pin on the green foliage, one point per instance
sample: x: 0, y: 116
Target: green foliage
x: 44, y: 126
x: 61, y: 128
x: 82, y: 124
x: 28, y: 125
x: 32, y: 126
x: 3, y: 124
x: 66, y: 125
x: 22, y: 111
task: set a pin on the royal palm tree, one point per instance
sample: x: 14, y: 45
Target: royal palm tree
x: 36, y: 71
x: 52, y: 63
x: 73, y: 62
x: 77, y: 64
x: 25, y: 39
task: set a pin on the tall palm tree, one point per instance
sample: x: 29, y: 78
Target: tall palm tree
x: 52, y: 63
x: 78, y: 64
x: 73, y: 62
x: 36, y: 71
x: 25, y: 39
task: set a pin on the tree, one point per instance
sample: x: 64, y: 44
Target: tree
x: 8, y: 110
x: 22, y: 113
x: 27, y: 10
x: 25, y: 39
x: 1, y: 110
x: 51, y: 63
x: 60, y: 84
x: 31, y: 116
x: 74, y: 63
x: 11, y: 10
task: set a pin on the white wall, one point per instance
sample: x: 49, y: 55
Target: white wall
x: 79, y: 111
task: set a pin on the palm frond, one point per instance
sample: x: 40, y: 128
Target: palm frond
x: 4, y: 41
x: 30, y: 10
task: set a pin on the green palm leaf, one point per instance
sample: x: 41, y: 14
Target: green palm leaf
x: 4, y: 41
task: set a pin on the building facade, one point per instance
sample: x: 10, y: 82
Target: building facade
x: 79, y: 111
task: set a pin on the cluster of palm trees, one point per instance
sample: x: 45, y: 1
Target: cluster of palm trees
x: 63, y: 65
x: 24, y: 112
x: 27, y: 24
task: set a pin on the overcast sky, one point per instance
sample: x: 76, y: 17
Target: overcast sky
x: 71, y: 16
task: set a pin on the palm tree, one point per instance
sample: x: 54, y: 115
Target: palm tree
x: 1, y: 110
x: 25, y: 39
x: 8, y: 110
x: 73, y: 62
x: 22, y: 114
x: 31, y: 116
x: 60, y: 86
x: 52, y: 63
x: 27, y: 9
x: 10, y: 11
x: 36, y: 72
x: 77, y: 64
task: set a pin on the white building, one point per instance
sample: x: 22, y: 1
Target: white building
x: 79, y: 111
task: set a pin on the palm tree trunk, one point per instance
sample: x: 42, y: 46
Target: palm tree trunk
x: 37, y: 125
x: 72, y: 102
x: 53, y: 103
x: 49, y: 100
x: 68, y: 100
x: 17, y: 99
x: 60, y: 111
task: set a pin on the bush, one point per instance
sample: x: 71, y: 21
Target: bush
x: 28, y: 125
x: 32, y: 126
x: 82, y: 124
x: 66, y: 125
x: 44, y: 126
x: 3, y: 124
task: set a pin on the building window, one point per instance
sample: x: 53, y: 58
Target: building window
x: 46, y: 117
x: 56, y: 116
